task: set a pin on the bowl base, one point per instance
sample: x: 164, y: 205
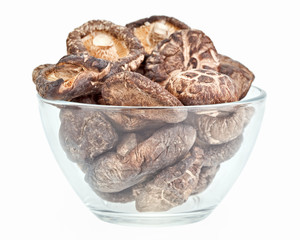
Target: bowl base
x: 152, y: 220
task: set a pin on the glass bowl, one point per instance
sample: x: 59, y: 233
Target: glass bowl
x: 152, y: 165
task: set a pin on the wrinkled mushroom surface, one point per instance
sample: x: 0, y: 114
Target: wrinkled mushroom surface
x: 150, y: 31
x: 134, y: 89
x: 183, y: 50
x: 202, y: 86
x: 37, y: 70
x: 73, y: 76
x: 85, y: 134
x: 241, y: 75
x: 223, y: 127
x: 128, y: 123
x: 106, y: 40
x: 114, y: 173
x: 171, y: 187
x: 206, y: 176
x: 216, y: 154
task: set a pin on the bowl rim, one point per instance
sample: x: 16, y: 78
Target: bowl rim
x: 260, y: 96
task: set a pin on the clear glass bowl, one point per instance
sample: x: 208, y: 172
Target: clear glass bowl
x: 152, y: 165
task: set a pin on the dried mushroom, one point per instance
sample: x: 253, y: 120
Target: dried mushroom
x: 106, y: 40
x: 206, y: 176
x: 129, y: 120
x: 124, y: 196
x: 73, y: 76
x: 216, y: 154
x: 202, y: 86
x: 222, y: 128
x: 150, y: 31
x: 114, y: 173
x: 37, y: 70
x: 134, y: 89
x: 171, y: 187
x: 183, y: 50
x: 129, y: 123
x: 85, y: 134
x: 128, y: 142
x: 241, y: 75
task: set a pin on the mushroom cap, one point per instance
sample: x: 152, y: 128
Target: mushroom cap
x: 150, y: 31
x: 85, y: 134
x: 241, y: 75
x: 37, y: 70
x: 171, y: 187
x: 133, y: 89
x: 202, y: 86
x: 216, y: 154
x: 206, y: 176
x: 108, y: 41
x: 73, y: 76
x: 222, y: 127
x: 183, y: 50
x: 114, y: 173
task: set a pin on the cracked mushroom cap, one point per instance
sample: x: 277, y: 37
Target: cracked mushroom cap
x: 223, y: 127
x: 202, y: 86
x: 183, y: 50
x: 114, y: 173
x: 150, y: 31
x: 241, y: 75
x: 171, y: 187
x: 73, y: 76
x: 108, y: 41
x: 85, y: 134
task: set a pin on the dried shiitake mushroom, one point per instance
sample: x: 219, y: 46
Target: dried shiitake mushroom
x: 37, y: 70
x: 171, y: 187
x: 183, y: 50
x: 106, y: 40
x: 223, y: 127
x: 85, y: 134
x: 241, y: 75
x: 150, y: 31
x: 216, y: 154
x: 113, y: 172
x: 124, y: 196
x: 73, y: 76
x: 130, y: 122
x: 134, y: 89
x: 206, y: 176
x: 202, y: 86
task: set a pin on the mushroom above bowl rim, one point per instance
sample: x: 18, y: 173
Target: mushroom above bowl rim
x: 259, y: 94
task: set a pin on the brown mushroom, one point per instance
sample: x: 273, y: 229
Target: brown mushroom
x: 206, y: 176
x: 202, y: 86
x: 124, y: 196
x: 216, y: 154
x: 183, y: 50
x: 114, y: 173
x: 134, y: 89
x: 37, y: 70
x: 221, y: 127
x: 134, y: 122
x: 150, y: 31
x: 73, y: 76
x: 106, y: 40
x: 171, y: 187
x: 241, y: 75
x: 85, y: 134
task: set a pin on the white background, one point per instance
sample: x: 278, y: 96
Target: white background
x: 36, y: 200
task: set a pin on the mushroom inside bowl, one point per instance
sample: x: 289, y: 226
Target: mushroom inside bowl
x: 152, y: 165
